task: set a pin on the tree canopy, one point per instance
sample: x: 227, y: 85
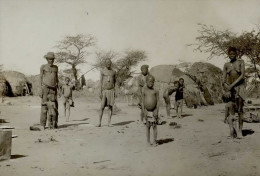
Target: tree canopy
x: 123, y: 65
x: 73, y: 51
x: 216, y: 42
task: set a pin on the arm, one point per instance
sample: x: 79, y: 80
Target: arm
x: 41, y: 74
x: 101, y: 82
x: 57, y: 78
x: 157, y: 104
x: 241, y: 77
x: 143, y: 95
x: 224, y: 76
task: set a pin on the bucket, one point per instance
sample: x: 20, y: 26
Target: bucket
x: 5, y: 144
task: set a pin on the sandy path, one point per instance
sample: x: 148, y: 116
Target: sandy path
x: 199, y: 147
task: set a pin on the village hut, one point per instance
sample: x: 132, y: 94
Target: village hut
x: 167, y: 74
x: 17, y: 83
x: 209, y: 79
x: 35, y: 81
x: 3, y: 87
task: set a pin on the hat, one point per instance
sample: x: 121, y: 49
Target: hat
x: 50, y: 55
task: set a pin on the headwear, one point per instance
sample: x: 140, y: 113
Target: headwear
x: 50, y: 55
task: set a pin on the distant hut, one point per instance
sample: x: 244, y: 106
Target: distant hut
x: 3, y: 88
x: 35, y: 81
x: 167, y: 74
x: 17, y: 83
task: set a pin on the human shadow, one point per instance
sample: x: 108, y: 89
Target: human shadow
x: 81, y: 119
x: 122, y: 123
x: 186, y: 115
x: 17, y: 156
x: 247, y: 132
x: 71, y: 125
x: 164, y: 141
x: 183, y: 115
x: 3, y: 121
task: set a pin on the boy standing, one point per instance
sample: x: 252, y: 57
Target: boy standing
x: 67, y: 94
x: 52, y: 110
x: 179, y: 97
x: 107, y: 90
x: 150, y: 104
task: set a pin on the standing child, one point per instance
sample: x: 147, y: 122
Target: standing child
x: 150, y: 104
x: 51, y: 110
x: 68, y: 101
x: 179, y: 97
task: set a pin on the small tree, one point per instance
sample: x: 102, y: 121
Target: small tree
x: 123, y: 65
x: 216, y: 42
x: 72, y: 51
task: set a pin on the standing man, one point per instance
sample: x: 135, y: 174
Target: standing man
x: 49, y: 85
x: 107, y: 90
x: 141, y: 85
x: 234, y: 85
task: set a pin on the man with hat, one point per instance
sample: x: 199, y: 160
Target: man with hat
x: 49, y: 85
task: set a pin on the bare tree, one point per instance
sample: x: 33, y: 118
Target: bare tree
x: 72, y: 51
x: 216, y: 42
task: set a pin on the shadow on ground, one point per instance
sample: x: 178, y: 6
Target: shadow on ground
x: 122, y: 123
x: 71, y: 125
x: 17, y: 156
x: 164, y: 141
x: 3, y: 121
x: 247, y: 132
x: 183, y: 115
x: 81, y: 119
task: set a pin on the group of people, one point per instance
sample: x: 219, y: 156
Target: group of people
x: 233, y: 84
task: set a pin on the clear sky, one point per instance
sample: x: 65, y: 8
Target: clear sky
x: 31, y: 28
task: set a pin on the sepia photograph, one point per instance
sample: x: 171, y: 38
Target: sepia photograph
x: 129, y: 88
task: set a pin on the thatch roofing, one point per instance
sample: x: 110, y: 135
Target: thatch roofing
x: 16, y: 82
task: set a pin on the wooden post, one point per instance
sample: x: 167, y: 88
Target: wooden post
x: 5, y: 144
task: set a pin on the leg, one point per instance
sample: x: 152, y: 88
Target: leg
x: 49, y: 121
x: 226, y: 113
x: 103, y: 103
x: 231, y: 125
x: 68, y: 115
x: 181, y: 106
x: 64, y: 106
x: 110, y: 115
x: 43, y: 117
x: 240, y: 117
x: 154, y: 134
x: 148, y: 133
x: 167, y: 103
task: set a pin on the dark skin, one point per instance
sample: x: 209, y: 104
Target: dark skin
x: 150, y: 103
x: 106, y: 84
x: 233, y: 74
x: 145, y: 72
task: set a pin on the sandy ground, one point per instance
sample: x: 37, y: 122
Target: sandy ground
x: 199, y: 147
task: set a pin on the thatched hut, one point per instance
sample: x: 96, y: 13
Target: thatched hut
x: 210, y: 78
x: 17, y: 84
x: 165, y: 74
x: 35, y: 81
x: 3, y: 88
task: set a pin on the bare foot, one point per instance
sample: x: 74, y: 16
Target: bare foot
x: 99, y: 125
x: 154, y: 144
x: 148, y: 144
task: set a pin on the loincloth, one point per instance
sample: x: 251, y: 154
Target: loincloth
x: 150, y: 117
x: 109, y: 95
